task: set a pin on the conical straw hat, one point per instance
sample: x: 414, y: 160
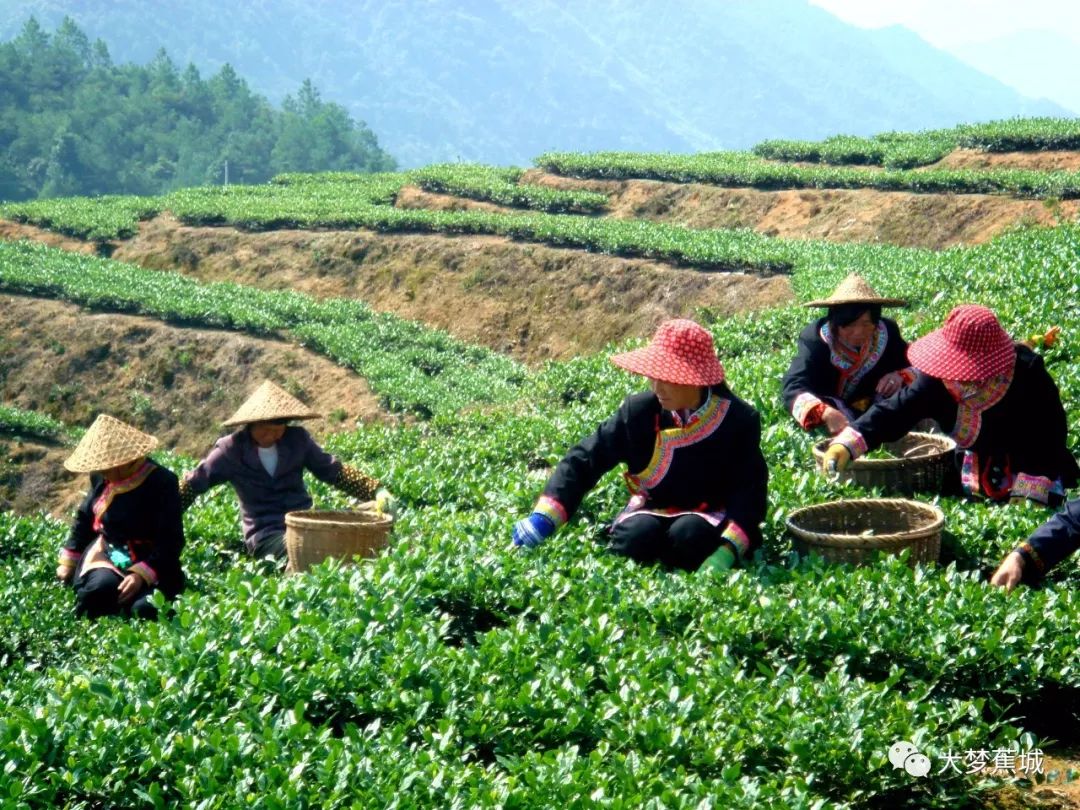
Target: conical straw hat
x: 855, y: 290
x: 267, y: 403
x: 109, y: 443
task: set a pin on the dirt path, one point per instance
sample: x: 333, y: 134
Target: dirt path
x: 1060, y: 789
x: 13, y: 231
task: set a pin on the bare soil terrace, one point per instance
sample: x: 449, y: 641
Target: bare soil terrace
x: 177, y: 383
x: 934, y: 221
x: 530, y: 301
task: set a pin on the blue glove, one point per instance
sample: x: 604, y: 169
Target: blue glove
x: 533, y: 530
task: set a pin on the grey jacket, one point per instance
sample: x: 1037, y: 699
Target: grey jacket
x: 264, y: 500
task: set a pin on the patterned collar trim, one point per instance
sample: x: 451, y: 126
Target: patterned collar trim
x: 700, y: 426
x: 133, y: 481
x: 853, y: 364
x: 684, y: 419
x: 971, y: 401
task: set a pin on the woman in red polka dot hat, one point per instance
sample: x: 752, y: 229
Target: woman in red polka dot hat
x: 695, y: 471
x: 993, y: 396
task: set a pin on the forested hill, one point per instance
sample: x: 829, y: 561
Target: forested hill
x: 501, y: 81
x: 72, y: 122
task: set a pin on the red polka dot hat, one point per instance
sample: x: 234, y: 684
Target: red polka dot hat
x: 681, y: 352
x: 970, y: 346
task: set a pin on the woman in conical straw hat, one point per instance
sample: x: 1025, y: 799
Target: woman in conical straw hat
x: 993, y: 396
x: 126, y: 538
x: 847, y: 359
x: 695, y: 471
x: 264, y: 460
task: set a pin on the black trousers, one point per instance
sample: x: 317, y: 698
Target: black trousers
x: 683, y: 542
x: 96, y: 594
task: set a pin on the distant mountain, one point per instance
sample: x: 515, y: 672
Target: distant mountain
x: 501, y: 81
x: 1034, y: 62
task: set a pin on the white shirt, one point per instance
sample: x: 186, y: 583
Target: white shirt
x: 268, y: 457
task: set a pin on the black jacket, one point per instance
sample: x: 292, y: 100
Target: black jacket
x: 812, y: 371
x: 1052, y: 542
x: 145, y: 522
x: 724, y: 470
x: 1025, y: 431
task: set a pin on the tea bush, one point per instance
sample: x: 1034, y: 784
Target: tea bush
x: 904, y: 150
x: 504, y: 186
x: 456, y: 672
x: 744, y: 169
x: 413, y: 368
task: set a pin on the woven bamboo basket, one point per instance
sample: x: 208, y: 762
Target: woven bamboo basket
x: 851, y: 531
x: 923, y: 463
x: 313, y: 535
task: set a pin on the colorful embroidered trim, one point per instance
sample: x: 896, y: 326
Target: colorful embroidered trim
x: 701, y: 426
x: 971, y: 401
x: 1033, y: 487
x: 69, y: 558
x: 111, y: 490
x: 1028, y: 552
x: 854, y: 365
x: 552, y: 510
x: 148, y: 574
x: 807, y: 410
x: 734, y: 534
x: 990, y: 481
x: 852, y: 440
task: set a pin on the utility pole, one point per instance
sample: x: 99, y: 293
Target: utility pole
x: 226, y: 173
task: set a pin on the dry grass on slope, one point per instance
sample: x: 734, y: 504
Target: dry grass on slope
x: 934, y: 221
x: 177, y: 383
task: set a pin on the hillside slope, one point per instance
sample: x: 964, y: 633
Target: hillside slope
x: 455, y: 669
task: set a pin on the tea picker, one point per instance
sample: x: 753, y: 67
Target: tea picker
x: 264, y: 460
x: 1048, y: 545
x: 847, y: 359
x: 127, y: 535
x: 993, y: 397
x: 695, y: 471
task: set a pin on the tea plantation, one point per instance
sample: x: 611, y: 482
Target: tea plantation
x: 457, y: 672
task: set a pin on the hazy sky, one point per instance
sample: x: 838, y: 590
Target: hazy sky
x: 947, y: 23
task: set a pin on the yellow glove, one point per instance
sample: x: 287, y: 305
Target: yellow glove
x: 385, y: 503
x: 836, y: 458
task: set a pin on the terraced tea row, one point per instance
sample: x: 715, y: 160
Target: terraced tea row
x: 743, y: 169
x: 905, y: 150
x: 412, y: 368
x: 360, y: 202
x: 504, y: 186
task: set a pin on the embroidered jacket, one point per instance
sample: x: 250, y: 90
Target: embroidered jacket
x: 1051, y: 543
x: 1015, y: 446
x: 712, y: 464
x: 264, y: 499
x: 141, y: 517
x: 822, y: 371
